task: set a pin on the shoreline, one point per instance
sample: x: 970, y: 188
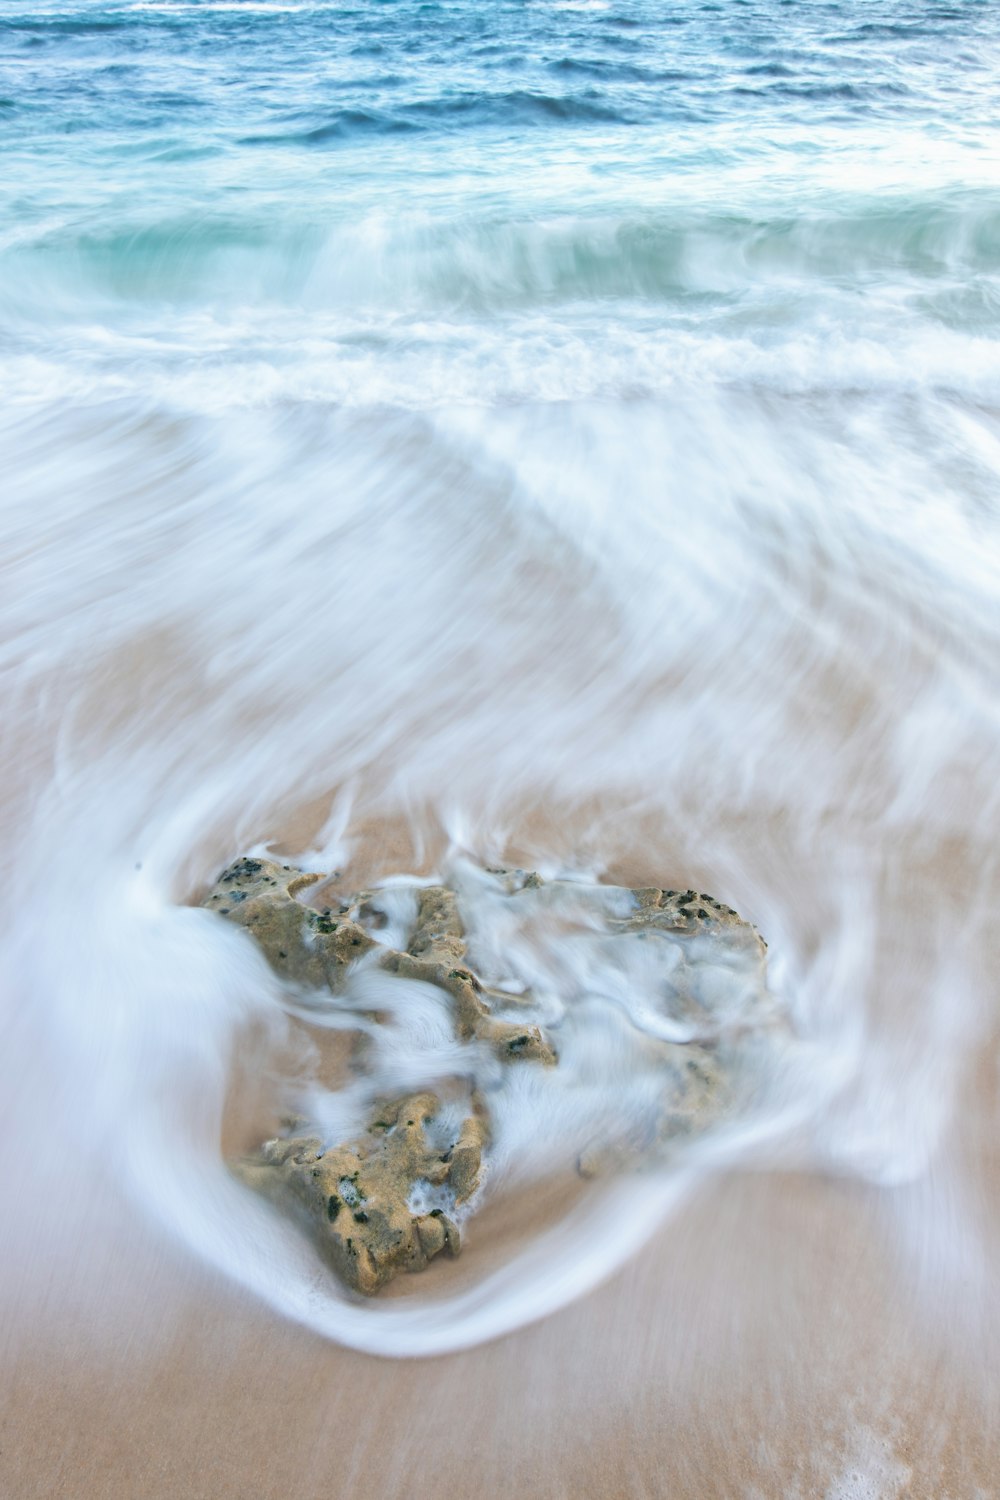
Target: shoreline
x: 625, y: 1393
x: 775, y: 1338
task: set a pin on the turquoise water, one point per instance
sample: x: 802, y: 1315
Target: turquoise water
x: 567, y: 427
x: 436, y: 202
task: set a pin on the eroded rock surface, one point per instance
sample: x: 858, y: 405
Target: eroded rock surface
x: 675, y: 978
x: 316, y: 946
x: 359, y: 1197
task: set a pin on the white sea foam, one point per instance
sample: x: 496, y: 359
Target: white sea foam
x: 647, y: 606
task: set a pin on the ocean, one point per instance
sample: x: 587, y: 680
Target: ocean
x: 553, y: 433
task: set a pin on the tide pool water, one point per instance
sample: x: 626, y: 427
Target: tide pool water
x: 571, y: 428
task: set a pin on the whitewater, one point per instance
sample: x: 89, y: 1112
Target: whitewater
x: 555, y: 434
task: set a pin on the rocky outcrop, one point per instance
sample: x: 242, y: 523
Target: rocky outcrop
x: 359, y: 1197
x: 390, y: 1198
x: 316, y: 946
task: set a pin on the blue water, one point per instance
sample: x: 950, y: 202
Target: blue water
x: 394, y: 200
x: 569, y: 433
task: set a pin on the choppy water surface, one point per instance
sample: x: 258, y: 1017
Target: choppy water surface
x: 568, y: 427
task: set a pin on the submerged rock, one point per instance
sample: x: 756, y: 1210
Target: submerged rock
x: 695, y: 1095
x: 675, y: 978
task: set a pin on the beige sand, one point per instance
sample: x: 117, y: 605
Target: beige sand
x: 780, y: 1337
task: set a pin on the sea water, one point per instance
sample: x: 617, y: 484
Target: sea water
x: 567, y: 427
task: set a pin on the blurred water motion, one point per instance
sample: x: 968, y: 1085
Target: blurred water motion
x: 565, y: 433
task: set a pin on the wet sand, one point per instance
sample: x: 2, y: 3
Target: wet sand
x: 784, y: 1334
x: 764, y: 1345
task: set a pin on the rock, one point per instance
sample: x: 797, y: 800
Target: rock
x: 690, y: 914
x: 357, y: 1197
x: 687, y: 972
x: 304, y: 945
x: 316, y: 947
x: 467, y: 1158
x: 695, y: 1095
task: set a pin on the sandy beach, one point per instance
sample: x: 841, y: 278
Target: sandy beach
x: 786, y: 1333
x: 740, y: 1355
